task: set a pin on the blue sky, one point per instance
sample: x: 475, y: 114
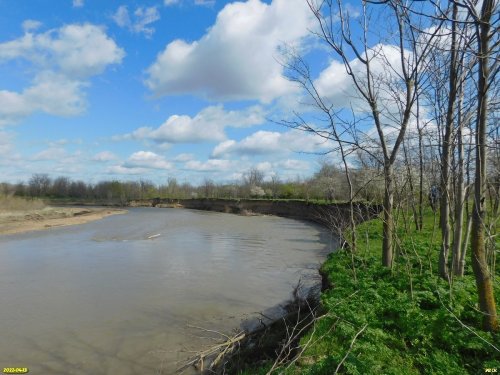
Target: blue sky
x: 126, y: 90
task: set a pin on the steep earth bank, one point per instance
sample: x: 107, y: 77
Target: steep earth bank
x: 334, y: 215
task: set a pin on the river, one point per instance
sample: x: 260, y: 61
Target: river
x: 122, y: 295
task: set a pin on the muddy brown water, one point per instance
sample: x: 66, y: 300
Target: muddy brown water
x: 123, y: 295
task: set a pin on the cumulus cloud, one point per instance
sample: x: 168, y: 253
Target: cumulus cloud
x: 236, y: 58
x: 283, y: 166
x: 63, y: 59
x: 147, y: 160
x: 337, y: 89
x: 266, y: 143
x: 78, y: 3
x: 211, y: 165
x: 337, y: 86
x: 121, y: 170
x: 292, y: 165
x: 139, y: 21
x: 76, y: 51
x: 171, y: 2
x: 207, y: 125
x: 184, y: 157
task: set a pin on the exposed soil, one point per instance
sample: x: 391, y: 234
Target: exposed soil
x: 20, y: 221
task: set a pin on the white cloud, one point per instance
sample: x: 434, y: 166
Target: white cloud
x: 147, y: 160
x: 211, y: 165
x: 293, y: 165
x: 282, y: 166
x: 196, y: 2
x: 53, y: 153
x: 63, y: 59
x: 121, y: 17
x: 30, y: 25
x: 338, y: 88
x: 236, y: 59
x: 265, y: 143
x: 184, y: 157
x: 104, y: 156
x: 6, y: 145
x: 77, y: 51
x: 204, y: 2
x: 66, y: 96
x: 139, y: 22
x: 207, y: 125
x: 78, y: 3
x: 121, y: 170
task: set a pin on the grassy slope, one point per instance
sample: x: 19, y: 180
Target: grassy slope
x: 411, y: 315
x: 11, y: 203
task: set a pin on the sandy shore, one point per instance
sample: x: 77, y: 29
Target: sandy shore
x: 30, y: 220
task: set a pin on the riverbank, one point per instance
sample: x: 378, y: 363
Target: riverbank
x: 14, y: 221
x: 335, y: 216
x: 405, y: 321
x: 370, y: 320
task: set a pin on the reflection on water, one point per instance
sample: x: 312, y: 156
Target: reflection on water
x: 117, y: 296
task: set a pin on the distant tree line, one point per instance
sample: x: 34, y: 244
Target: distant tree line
x: 327, y: 184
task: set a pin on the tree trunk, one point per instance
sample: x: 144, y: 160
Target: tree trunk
x: 421, y: 171
x: 459, y: 203
x: 479, y: 265
x: 412, y: 189
x: 388, y: 227
x: 444, y: 219
x: 465, y: 245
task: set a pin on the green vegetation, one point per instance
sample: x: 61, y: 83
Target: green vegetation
x: 415, y: 322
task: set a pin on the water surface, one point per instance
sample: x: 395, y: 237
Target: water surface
x: 120, y: 295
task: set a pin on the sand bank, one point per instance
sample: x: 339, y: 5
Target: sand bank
x: 19, y: 221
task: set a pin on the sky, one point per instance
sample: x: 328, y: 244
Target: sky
x: 192, y: 89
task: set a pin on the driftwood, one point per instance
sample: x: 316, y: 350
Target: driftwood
x: 276, y: 340
x: 213, y: 355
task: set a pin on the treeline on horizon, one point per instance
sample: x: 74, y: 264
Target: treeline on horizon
x: 327, y: 184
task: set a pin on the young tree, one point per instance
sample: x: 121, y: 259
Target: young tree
x: 385, y: 77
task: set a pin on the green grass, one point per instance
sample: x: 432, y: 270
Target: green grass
x: 414, y: 320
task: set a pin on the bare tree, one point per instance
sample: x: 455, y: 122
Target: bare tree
x: 389, y: 96
x: 275, y: 185
x: 479, y: 264
x: 252, y: 181
x: 60, y: 187
x: 39, y: 184
x: 447, y: 150
x: 208, y: 188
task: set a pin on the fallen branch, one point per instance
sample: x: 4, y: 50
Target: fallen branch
x: 218, y: 352
x: 350, y: 348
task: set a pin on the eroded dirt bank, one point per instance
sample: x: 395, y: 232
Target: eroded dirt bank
x: 19, y: 221
x: 334, y: 215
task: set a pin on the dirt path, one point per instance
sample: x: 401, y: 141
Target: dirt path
x: 30, y: 220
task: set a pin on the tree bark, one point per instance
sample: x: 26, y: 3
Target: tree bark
x: 458, y: 268
x: 482, y: 273
x: 444, y: 210
x: 388, y: 227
